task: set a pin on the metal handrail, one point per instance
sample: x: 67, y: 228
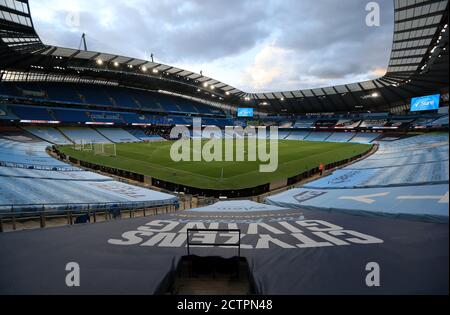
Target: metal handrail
x: 73, y: 214
x: 64, y: 208
x: 238, y: 244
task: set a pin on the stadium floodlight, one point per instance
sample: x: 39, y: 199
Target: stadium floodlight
x: 205, y: 84
x: 213, y: 87
x: 282, y: 99
x: 155, y: 71
x: 116, y: 64
x: 227, y: 93
x: 375, y: 94
x: 99, y: 62
x: 144, y: 68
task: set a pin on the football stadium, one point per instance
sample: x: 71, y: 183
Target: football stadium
x: 124, y: 175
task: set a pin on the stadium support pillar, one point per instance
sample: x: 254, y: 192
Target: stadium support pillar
x: 148, y: 180
x: 278, y: 184
x: 70, y: 218
x: 14, y: 221
x: 42, y: 219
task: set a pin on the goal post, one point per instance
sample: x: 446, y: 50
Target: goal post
x: 83, y: 145
x: 77, y: 146
x: 87, y: 145
x: 106, y: 149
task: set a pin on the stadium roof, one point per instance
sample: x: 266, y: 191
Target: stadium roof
x: 418, y: 66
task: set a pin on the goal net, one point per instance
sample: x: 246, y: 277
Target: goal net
x: 106, y: 149
x: 83, y: 145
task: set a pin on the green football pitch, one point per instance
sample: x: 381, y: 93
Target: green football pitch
x: 153, y: 159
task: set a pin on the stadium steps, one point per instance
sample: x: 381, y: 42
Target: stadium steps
x: 328, y: 137
x: 308, y: 133
x: 101, y: 134
x: 354, y: 135
x: 139, y: 105
x: 179, y: 107
x: 283, y: 135
x: 60, y: 134
x: 81, y: 96
x: 120, y: 132
x: 113, y: 101
x: 196, y: 108
x: 336, y: 137
x: 50, y: 112
x: 375, y: 138
x: 72, y: 130
x: 66, y: 137
x: 155, y: 106
x: 212, y: 275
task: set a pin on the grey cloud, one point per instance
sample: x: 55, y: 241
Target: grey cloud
x: 177, y: 31
x: 335, y: 37
x: 328, y: 37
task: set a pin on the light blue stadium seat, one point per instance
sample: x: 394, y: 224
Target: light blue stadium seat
x: 298, y: 135
x: 83, y: 134
x: 31, y: 180
x: 140, y: 134
x: 408, y: 177
x: 318, y: 136
x: 364, y: 137
x: 49, y: 134
x: 340, y: 137
x: 117, y: 135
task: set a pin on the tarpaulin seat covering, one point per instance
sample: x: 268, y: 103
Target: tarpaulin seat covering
x: 289, y: 251
x: 408, y: 178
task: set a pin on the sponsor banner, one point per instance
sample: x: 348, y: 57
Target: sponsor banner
x: 245, y: 112
x: 424, y: 103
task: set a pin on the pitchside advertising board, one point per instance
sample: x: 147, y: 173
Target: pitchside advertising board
x: 245, y: 112
x: 424, y: 103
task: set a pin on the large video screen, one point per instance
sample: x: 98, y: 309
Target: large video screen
x: 245, y: 112
x: 430, y: 102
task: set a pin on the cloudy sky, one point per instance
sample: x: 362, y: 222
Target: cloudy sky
x: 254, y: 45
